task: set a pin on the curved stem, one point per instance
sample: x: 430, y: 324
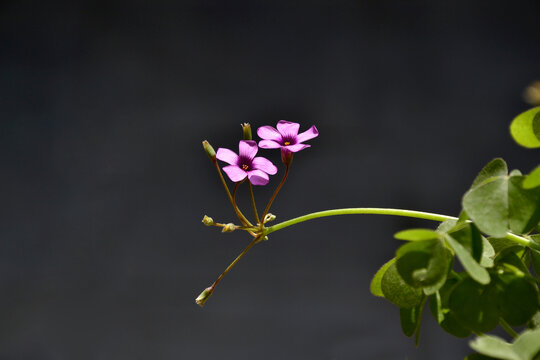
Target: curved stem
x: 241, y: 216
x: 355, y: 211
x: 385, y: 211
x: 287, y: 166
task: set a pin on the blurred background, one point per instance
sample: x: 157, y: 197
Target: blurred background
x: 103, y: 107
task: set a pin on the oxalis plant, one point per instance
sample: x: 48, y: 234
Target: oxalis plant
x: 473, y: 272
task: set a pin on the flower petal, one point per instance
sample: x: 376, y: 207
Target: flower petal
x: 227, y: 155
x: 269, y: 144
x: 296, y: 147
x: 235, y: 173
x: 258, y: 177
x: 247, y: 149
x: 287, y: 128
x: 261, y: 163
x: 308, y: 134
x: 269, y: 133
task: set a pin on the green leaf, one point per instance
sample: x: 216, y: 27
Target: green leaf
x: 488, y: 253
x: 494, y: 346
x: 375, y: 286
x: 447, y: 225
x: 423, y: 263
x: 474, y: 269
x: 498, y: 203
x: 410, y: 319
x: 396, y: 290
x: 471, y: 239
x: 535, y: 257
x: 474, y: 305
x: 525, y: 128
x: 532, y: 180
x: 525, y: 347
x: 416, y: 235
x: 440, y: 310
x: 517, y: 299
x: 494, y: 169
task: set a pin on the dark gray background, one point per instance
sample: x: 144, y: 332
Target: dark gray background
x: 103, y: 106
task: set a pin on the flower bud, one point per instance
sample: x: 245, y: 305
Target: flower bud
x: 246, y: 130
x: 205, y: 295
x: 269, y: 217
x: 230, y: 227
x: 207, y: 220
x: 209, y: 150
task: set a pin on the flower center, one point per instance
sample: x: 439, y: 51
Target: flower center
x: 287, y: 143
x: 245, y: 167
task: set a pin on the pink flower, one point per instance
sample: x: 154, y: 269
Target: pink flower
x: 285, y: 137
x: 256, y: 169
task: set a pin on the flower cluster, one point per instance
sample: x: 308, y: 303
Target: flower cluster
x: 245, y: 165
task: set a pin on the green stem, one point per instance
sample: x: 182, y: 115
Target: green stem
x: 287, y: 166
x: 356, y: 211
x: 253, y: 203
x: 384, y: 211
x: 508, y: 328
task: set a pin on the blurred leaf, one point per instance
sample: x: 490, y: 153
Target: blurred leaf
x: 525, y: 128
x: 474, y: 306
x: 423, y: 263
x: 410, y: 319
x: 396, y: 290
x: 443, y: 315
x: 494, y: 346
x: 525, y: 347
x: 517, y: 299
x: 535, y: 257
x: 474, y: 269
x: 416, y: 235
x: 375, y: 286
x: 534, y: 323
x: 532, y: 180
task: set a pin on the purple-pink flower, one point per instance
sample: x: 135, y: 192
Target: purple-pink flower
x: 245, y: 164
x: 285, y: 137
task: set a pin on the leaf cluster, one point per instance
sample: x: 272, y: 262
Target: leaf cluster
x: 470, y: 272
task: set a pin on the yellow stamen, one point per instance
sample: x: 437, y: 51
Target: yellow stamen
x: 245, y: 167
x: 287, y: 143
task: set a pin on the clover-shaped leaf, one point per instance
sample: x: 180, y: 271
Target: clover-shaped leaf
x: 525, y: 347
x: 497, y: 202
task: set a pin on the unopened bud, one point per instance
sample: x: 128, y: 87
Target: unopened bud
x: 207, y: 220
x: 205, y: 295
x: 209, y: 150
x: 268, y: 218
x: 230, y: 227
x: 246, y: 130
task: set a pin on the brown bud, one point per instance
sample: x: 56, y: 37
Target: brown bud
x: 246, y: 131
